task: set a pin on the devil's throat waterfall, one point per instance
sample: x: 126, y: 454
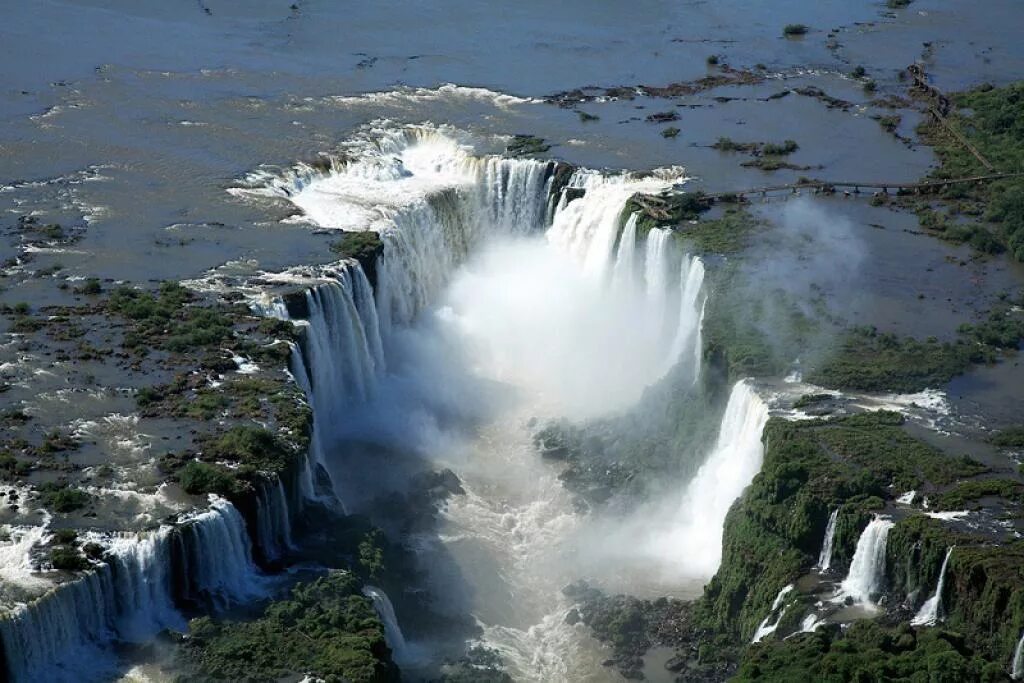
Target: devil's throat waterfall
x: 506, y: 291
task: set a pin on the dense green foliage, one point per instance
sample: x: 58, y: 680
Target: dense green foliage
x: 166, y: 320
x: 867, y: 360
x: 63, y: 498
x: 774, y: 532
x: 327, y: 629
x: 200, y: 478
x: 992, y: 119
x: 868, y: 651
x: 1012, y: 437
x: 725, y: 234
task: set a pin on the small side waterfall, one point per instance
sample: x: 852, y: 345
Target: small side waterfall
x: 825, y: 557
x: 768, y: 625
x: 931, y: 610
x: 1017, y: 666
x: 273, y: 519
x: 867, y: 570
x: 386, y: 612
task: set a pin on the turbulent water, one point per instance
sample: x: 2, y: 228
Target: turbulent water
x: 498, y: 302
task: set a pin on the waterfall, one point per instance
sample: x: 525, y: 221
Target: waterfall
x: 216, y: 557
x: 867, y: 570
x: 1017, y: 666
x: 61, y: 636
x: 825, y: 557
x: 691, y: 314
x: 931, y: 610
x: 695, y: 540
x: 386, y: 612
x: 273, y: 520
x: 624, y: 270
x: 766, y: 628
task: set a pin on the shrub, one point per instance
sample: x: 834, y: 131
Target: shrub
x: 68, y: 559
x: 199, y: 478
x: 670, y: 132
x: 794, y: 30
x: 62, y: 498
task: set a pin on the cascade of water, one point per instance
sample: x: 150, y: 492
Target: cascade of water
x: 217, y: 556
x: 931, y: 610
x: 768, y: 625
x: 273, y: 519
x: 386, y: 612
x: 825, y: 557
x: 1017, y: 666
x: 695, y: 541
x: 691, y: 314
x: 624, y: 271
x: 61, y: 635
x: 867, y: 570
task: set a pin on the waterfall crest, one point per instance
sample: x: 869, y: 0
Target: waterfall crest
x: 931, y: 610
x: 867, y: 570
x: 825, y: 557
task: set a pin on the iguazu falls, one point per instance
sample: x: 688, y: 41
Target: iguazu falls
x: 463, y: 343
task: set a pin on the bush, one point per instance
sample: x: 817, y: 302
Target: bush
x: 62, y: 498
x: 795, y: 30
x: 670, y: 132
x: 199, y: 478
x: 68, y: 559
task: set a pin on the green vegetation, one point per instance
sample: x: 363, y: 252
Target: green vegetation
x: 868, y: 651
x: 992, y: 120
x: 766, y: 163
x: 1012, y: 437
x: 897, y: 4
x: 787, y: 147
x: 361, y: 246
x: 526, y: 145
x: 200, y: 478
x: 60, y: 497
x: 811, y: 467
x: 166, y: 320
x: 966, y: 494
x: 867, y: 360
x: 723, y: 235
x: 68, y: 558
x: 712, y: 60
x: 670, y: 132
x: 791, y: 30
x: 585, y: 117
x: 327, y: 629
